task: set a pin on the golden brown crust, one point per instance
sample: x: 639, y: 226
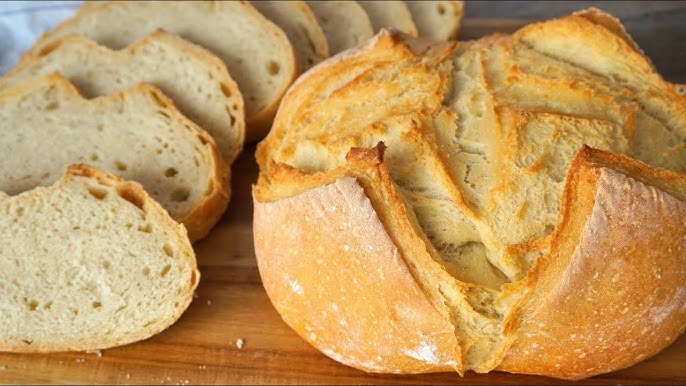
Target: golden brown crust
x: 557, y: 318
x: 338, y: 278
x: 611, y: 291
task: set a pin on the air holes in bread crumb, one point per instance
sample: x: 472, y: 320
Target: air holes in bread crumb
x: 441, y: 9
x: 20, y: 211
x: 225, y: 90
x: 273, y: 67
x: 549, y: 229
x: 28, y: 342
x: 100, y: 127
x: 94, y: 157
x: 180, y: 195
x: 147, y: 228
x: 132, y: 196
x: 32, y: 305
x: 168, y: 250
x: 100, y: 194
x: 97, y: 305
x: 120, y: 165
x: 681, y: 89
x: 165, y: 270
x: 170, y: 172
x: 106, y: 264
x: 52, y: 105
x: 194, y: 279
x: 146, y: 271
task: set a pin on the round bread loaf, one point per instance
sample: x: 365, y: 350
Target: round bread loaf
x: 514, y: 203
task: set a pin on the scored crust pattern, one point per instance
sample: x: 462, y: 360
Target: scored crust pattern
x: 480, y: 137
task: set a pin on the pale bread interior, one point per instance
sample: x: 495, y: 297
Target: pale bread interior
x: 256, y: 52
x: 89, y: 263
x: 439, y: 20
x: 193, y: 78
x: 345, y: 23
x: 300, y: 25
x: 135, y: 133
x: 389, y: 14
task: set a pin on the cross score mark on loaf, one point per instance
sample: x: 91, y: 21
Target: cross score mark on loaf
x: 487, y: 192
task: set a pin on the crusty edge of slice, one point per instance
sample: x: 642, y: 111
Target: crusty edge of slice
x: 202, y: 218
x: 257, y: 125
x: 225, y: 80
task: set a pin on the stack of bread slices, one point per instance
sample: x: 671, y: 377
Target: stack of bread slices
x: 164, y: 94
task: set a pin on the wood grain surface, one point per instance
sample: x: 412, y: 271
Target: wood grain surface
x: 231, y: 305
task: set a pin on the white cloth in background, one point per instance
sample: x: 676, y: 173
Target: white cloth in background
x: 22, y: 22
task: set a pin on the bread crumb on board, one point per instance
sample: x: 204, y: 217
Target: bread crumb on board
x: 96, y: 352
x: 239, y: 343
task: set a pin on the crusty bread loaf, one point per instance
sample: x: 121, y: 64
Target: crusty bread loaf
x: 439, y: 20
x: 256, y: 52
x: 389, y: 14
x: 514, y: 203
x: 89, y: 263
x: 300, y: 25
x: 345, y: 23
x: 136, y: 133
x: 192, y: 77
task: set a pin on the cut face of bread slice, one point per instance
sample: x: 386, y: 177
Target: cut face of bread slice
x: 300, y: 25
x: 88, y: 263
x: 482, y: 152
x: 256, y: 52
x: 439, y: 20
x: 136, y: 133
x: 192, y: 77
x: 389, y: 14
x: 344, y: 23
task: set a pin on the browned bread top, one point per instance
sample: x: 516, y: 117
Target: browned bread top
x: 512, y: 167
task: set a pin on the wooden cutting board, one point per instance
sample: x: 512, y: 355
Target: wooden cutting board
x: 201, y: 348
x: 232, y: 306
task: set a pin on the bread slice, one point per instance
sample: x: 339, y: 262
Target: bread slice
x: 344, y: 23
x: 300, y: 25
x: 136, y: 133
x: 389, y: 14
x: 89, y: 263
x: 192, y: 77
x: 529, y: 187
x: 256, y: 52
x: 439, y: 20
